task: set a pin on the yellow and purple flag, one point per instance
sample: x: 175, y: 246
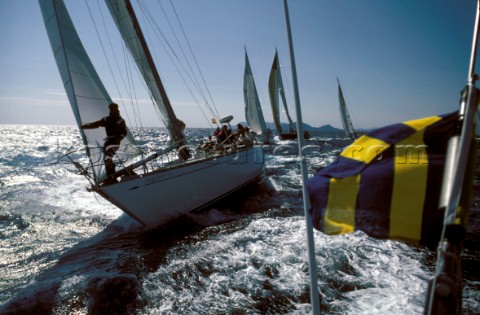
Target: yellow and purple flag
x: 387, y: 183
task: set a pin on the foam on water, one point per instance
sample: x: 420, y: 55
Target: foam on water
x: 44, y: 208
x: 262, y: 268
x: 64, y: 251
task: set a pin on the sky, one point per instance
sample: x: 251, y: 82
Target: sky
x: 396, y: 60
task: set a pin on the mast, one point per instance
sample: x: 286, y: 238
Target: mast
x: 444, y: 292
x: 306, y: 202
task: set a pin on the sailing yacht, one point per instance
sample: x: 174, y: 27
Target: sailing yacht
x: 173, y: 181
x: 277, y: 91
x: 345, y: 116
x: 253, y: 109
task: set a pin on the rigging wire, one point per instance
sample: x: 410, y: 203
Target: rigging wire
x: 194, y: 58
x: 105, y: 53
x: 128, y: 61
x: 130, y: 89
x: 195, y: 79
x: 150, y: 19
x: 129, y: 82
x: 170, y: 51
x: 165, y: 43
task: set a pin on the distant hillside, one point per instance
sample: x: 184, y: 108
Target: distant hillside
x: 324, y: 128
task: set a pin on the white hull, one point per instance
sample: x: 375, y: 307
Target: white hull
x: 159, y: 197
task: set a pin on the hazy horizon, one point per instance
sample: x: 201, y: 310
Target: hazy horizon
x: 396, y: 61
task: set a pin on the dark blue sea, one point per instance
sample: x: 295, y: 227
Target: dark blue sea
x: 64, y: 250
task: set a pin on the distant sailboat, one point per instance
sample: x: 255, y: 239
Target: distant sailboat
x: 345, y: 116
x: 276, y: 91
x: 253, y: 109
x: 152, y: 193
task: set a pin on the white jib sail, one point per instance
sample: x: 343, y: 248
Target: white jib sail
x: 253, y: 109
x: 87, y: 95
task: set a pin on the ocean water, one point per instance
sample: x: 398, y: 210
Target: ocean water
x: 64, y: 250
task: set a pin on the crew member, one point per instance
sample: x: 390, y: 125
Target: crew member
x: 116, y: 130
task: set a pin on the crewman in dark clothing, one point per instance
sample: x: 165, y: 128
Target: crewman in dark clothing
x: 116, y: 130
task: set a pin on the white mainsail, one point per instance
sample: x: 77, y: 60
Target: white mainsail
x: 253, y: 109
x: 345, y: 116
x: 127, y: 24
x: 276, y: 90
x: 86, y: 93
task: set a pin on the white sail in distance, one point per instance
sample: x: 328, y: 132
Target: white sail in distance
x: 345, y: 116
x: 86, y: 93
x: 276, y: 90
x: 253, y: 109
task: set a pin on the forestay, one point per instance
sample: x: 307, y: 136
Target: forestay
x: 86, y: 93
